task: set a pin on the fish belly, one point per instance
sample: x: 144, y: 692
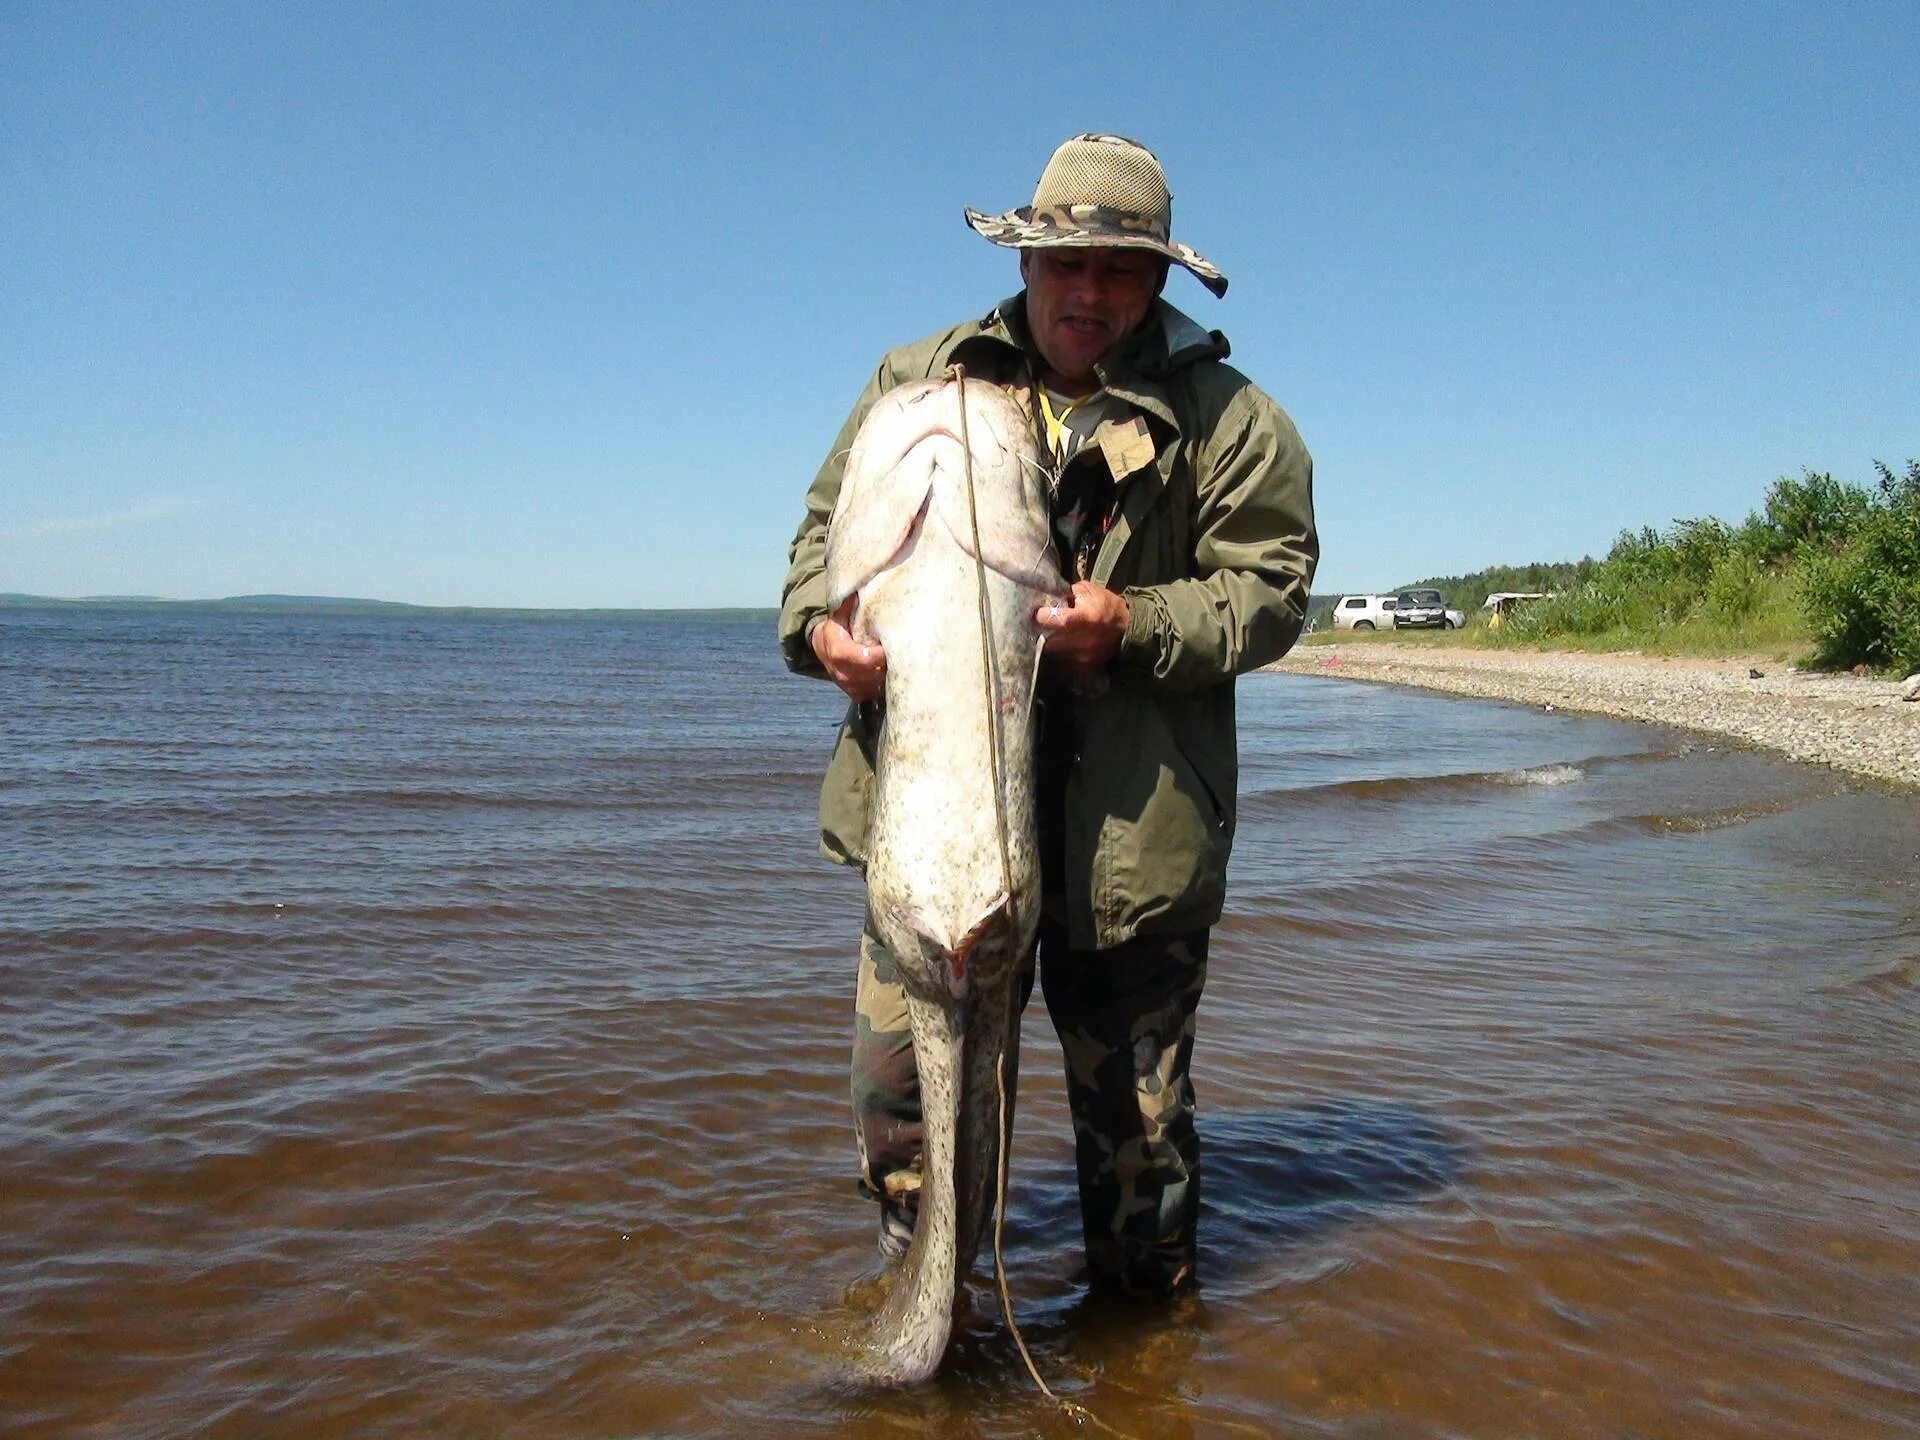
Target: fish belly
x: 936, y: 871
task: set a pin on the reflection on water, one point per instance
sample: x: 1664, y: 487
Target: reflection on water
x: 440, y: 1029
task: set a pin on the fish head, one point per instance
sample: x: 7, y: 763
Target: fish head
x: 964, y: 451
x: 885, y: 487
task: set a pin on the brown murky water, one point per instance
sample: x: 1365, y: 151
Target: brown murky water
x: 439, y: 1029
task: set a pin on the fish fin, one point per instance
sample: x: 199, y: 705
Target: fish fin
x: 1012, y: 513
x: 873, y: 520
x: 885, y: 485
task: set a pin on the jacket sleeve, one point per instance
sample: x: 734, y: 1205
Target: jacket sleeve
x: 803, y: 595
x: 1254, y: 553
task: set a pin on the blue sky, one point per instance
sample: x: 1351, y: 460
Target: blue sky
x: 562, y: 305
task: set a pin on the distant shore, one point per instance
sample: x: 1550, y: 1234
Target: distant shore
x: 1857, y: 725
x: 336, y: 606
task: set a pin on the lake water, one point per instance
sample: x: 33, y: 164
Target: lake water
x: 438, y: 1027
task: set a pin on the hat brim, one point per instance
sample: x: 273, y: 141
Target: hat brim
x: 1019, y: 230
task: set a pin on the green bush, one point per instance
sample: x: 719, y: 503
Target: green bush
x: 1589, y: 609
x: 1863, y: 595
x: 1816, y: 512
x: 1698, y: 547
x: 1734, y: 588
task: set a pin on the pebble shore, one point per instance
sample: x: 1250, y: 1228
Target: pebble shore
x: 1850, y: 723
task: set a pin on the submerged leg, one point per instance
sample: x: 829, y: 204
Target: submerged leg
x: 886, y: 1092
x: 886, y: 1096
x: 1125, y: 1018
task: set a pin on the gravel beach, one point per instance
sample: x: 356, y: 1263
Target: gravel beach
x: 1858, y: 725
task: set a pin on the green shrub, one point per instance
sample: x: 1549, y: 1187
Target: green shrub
x: 1589, y: 609
x: 1698, y: 547
x: 1863, y: 596
x: 1638, y: 557
x: 1817, y: 512
x: 1734, y: 588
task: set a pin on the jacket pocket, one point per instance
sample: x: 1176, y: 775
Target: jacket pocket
x: 1217, y: 794
x: 1164, y: 824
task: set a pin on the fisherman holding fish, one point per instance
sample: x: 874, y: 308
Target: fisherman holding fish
x: 1179, y: 498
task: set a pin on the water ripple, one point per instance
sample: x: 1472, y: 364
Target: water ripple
x: 441, y: 1028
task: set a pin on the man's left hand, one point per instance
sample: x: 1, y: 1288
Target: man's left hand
x: 1085, y: 628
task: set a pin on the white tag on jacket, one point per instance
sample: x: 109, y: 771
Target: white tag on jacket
x: 1127, y: 446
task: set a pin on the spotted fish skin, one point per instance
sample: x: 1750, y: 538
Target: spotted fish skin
x: 956, y: 909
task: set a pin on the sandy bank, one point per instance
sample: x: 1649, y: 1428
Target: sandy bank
x: 1857, y: 725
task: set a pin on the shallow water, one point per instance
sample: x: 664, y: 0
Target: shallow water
x: 439, y: 1027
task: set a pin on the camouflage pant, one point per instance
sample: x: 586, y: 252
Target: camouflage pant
x: 1125, y: 1018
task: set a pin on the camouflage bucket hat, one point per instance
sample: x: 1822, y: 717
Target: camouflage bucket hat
x: 1100, y: 190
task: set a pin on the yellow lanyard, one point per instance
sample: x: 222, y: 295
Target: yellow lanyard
x: 1056, y: 424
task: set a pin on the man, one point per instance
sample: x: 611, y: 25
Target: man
x: 1182, y: 512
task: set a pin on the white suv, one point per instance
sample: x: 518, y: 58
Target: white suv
x: 1364, y: 612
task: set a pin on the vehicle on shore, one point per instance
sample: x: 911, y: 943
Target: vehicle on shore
x: 1364, y: 612
x: 1424, y: 610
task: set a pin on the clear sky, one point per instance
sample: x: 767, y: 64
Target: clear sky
x: 560, y: 305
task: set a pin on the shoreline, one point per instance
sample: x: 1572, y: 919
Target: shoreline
x: 1857, y: 725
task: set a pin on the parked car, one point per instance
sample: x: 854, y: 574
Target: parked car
x: 1363, y: 612
x: 1424, y: 610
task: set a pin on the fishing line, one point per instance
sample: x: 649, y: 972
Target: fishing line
x: 997, y: 761
x: 996, y: 756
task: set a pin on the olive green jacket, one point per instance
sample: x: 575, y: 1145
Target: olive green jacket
x: 1213, y: 545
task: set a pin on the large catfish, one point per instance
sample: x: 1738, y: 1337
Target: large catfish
x: 952, y: 876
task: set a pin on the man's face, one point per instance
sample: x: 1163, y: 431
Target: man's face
x: 1080, y: 303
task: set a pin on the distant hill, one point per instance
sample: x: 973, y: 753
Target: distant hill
x: 14, y: 598
x: 308, y: 602
x: 347, y: 605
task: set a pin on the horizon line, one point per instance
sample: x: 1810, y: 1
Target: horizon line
x: 276, y: 601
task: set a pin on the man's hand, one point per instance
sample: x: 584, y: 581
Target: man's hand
x: 857, y: 667
x: 1084, y: 630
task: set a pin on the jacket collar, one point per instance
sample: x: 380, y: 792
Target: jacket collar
x: 1137, y: 371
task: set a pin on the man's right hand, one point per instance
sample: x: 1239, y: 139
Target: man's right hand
x: 858, y: 667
